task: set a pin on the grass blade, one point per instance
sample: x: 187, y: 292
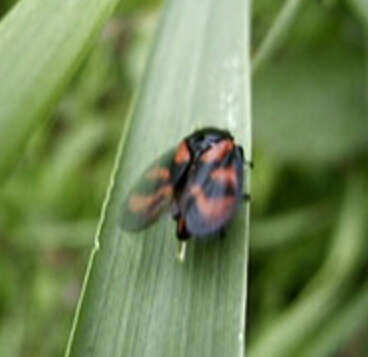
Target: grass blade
x: 138, y: 300
x: 322, y: 295
x: 341, y: 328
x: 361, y: 9
x: 277, y: 33
x: 283, y: 228
x: 41, y: 44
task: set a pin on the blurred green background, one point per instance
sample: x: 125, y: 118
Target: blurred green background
x: 308, y: 288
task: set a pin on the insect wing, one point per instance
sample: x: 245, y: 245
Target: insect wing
x: 154, y: 192
x: 212, y: 194
x: 151, y: 196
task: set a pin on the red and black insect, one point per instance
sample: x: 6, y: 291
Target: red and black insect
x: 201, y: 181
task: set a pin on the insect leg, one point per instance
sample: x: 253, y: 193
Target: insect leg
x: 182, y: 235
x: 241, y: 153
x: 181, y: 231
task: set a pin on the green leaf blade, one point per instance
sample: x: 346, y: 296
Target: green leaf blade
x: 41, y: 44
x: 138, y: 299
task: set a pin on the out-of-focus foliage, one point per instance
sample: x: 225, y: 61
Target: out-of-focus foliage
x: 309, y: 200
x: 49, y: 205
x: 309, y: 228
x: 5, y: 5
x: 40, y: 51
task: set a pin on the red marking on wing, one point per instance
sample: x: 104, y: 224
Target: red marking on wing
x: 215, y: 208
x: 218, y: 151
x: 139, y: 203
x: 158, y: 173
x: 225, y: 175
x: 183, y: 154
